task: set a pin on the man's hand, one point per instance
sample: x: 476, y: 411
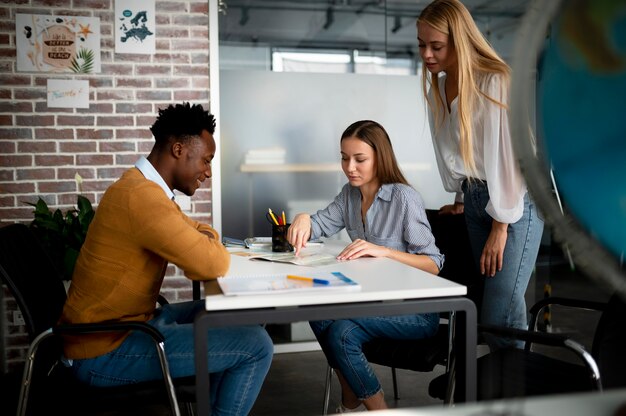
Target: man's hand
x: 361, y: 248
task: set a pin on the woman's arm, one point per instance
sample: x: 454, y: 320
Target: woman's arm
x: 361, y: 248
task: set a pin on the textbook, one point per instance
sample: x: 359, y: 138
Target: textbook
x: 284, y: 283
x: 303, y: 259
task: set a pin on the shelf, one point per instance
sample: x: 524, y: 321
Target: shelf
x: 317, y: 167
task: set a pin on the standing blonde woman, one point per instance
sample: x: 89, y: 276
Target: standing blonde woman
x: 466, y: 86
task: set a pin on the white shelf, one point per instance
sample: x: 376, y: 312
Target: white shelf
x: 317, y: 167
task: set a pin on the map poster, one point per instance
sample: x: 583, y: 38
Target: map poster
x: 135, y: 26
x: 48, y: 43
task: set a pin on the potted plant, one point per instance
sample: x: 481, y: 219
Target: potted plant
x: 62, y: 234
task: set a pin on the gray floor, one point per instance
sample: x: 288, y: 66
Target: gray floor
x: 295, y: 383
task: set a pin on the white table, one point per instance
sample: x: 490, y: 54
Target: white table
x: 388, y: 288
x: 606, y: 403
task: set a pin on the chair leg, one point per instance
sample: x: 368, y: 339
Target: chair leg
x: 395, y: 383
x: 27, y: 377
x: 329, y: 379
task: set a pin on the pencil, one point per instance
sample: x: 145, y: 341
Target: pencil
x: 308, y: 279
x: 273, y: 216
x: 284, y: 219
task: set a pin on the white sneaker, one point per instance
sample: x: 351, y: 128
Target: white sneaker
x: 343, y: 409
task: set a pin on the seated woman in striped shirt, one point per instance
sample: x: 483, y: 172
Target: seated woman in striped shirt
x: 384, y: 217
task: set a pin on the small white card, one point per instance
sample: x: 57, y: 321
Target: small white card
x: 68, y: 93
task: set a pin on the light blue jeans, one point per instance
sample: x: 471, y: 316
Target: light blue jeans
x: 239, y: 359
x: 342, y: 342
x: 503, y: 297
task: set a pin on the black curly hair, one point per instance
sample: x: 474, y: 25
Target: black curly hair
x: 182, y: 122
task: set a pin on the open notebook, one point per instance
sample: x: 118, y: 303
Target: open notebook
x: 283, y: 283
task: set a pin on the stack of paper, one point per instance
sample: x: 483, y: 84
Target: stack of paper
x: 267, y: 284
x: 269, y: 155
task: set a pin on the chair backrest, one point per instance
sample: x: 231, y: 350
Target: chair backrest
x: 452, y: 239
x: 30, y: 275
x: 609, y: 343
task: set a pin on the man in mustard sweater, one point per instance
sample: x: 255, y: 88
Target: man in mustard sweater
x: 137, y: 230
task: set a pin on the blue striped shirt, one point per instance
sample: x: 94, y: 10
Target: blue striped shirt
x: 396, y: 219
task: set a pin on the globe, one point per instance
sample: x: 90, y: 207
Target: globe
x: 578, y: 49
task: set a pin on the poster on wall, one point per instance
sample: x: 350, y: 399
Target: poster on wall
x: 47, y: 43
x: 68, y: 93
x: 135, y: 26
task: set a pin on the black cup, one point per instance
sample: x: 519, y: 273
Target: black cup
x: 279, y: 239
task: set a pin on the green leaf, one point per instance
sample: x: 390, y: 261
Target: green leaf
x: 87, y: 57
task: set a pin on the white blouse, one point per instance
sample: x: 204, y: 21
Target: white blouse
x: 493, y: 150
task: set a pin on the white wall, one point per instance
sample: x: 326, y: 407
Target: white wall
x: 306, y: 113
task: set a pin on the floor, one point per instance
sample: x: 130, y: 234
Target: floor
x: 295, y: 383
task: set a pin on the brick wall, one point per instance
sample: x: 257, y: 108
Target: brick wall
x: 42, y: 149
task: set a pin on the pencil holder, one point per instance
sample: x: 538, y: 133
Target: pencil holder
x: 279, y: 238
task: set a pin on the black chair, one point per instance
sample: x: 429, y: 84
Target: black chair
x: 423, y: 355
x: 37, y: 287
x: 513, y: 372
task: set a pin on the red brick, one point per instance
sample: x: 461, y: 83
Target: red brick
x: 8, y: 147
x: 7, y: 175
x: 5, y: 94
x: 138, y: 133
x: 115, y: 121
x: 57, y: 186
x: 96, y: 108
x: 117, y: 95
x: 42, y: 107
x: 99, y: 134
x: 56, y: 134
x: 133, y: 108
x: 15, y: 107
x: 111, y: 173
x: 185, y: 70
x: 75, y: 120
x: 34, y: 120
x: 16, y: 160
x: 29, y: 94
x: 154, y: 96
x: 54, y: 160
x: 199, y: 7
x: 127, y: 160
x: 173, y: 32
x: 167, y: 58
x: 17, y: 188
x: 153, y: 70
x: 190, y: 44
x: 172, y: 82
x: 35, y: 173
x: 92, y: 4
x: 7, y: 201
x: 36, y: 146
x: 7, y: 80
x: 78, y: 147
x: 134, y: 82
x: 92, y: 186
x: 70, y: 173
x: 116, y: 147
x: 200, y: 58
x: 94, y: 160
x: 190, y: 95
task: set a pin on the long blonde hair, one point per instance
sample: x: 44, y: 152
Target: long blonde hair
x: 474, y: 55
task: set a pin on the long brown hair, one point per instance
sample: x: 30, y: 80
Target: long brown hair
x: 474, y: 55
x: 373, y: 134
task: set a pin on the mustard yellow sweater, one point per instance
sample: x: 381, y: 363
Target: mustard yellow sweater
x: 136, y: 231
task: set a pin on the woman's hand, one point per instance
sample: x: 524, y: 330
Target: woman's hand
x: 453, y: 209
x: 299, y: 231
x: 493, y: 252
x: 361, y: 248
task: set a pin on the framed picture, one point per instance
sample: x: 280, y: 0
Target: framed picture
x: 47, y: 43
x: 135, y: 26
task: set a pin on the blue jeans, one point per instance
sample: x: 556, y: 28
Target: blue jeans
x: 239, y: 359
x: 342, y: 343
x: 503, y: 297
